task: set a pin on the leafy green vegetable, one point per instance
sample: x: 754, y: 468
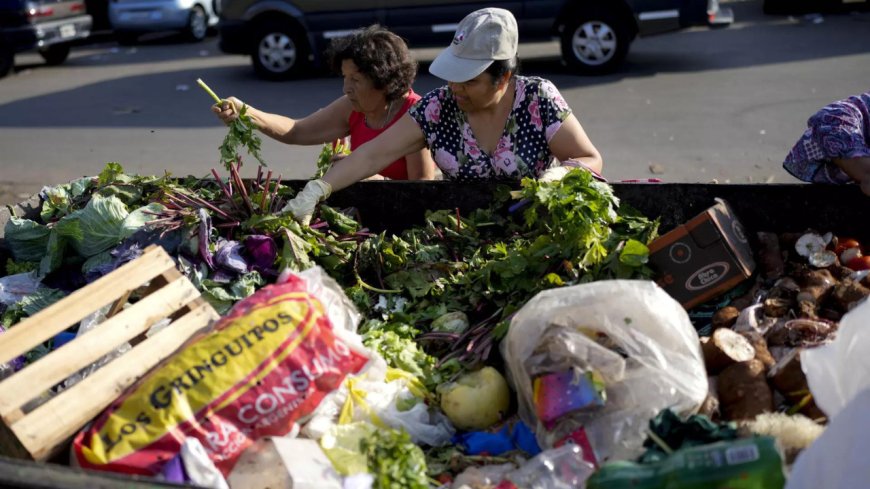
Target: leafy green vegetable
x: 60, y: 200
x: 11, y: 316
x: 399, y: 352
x: 137, y: 219
x: 394, y: 460
x: 486, y: 263
x: 26, y: 239
x: 223, y: 296
x: 30, y: 305
x: 97, y: 260
x: 404, y: 354
x: 570, y: 232
x: 14, y: 268
x: 40, y: 299
x: 96, y: 228
x: 54, y: 253
x: 338, y: 222
x: 327, y: 153
x: 242, y: 132
x: 294, y: 254
x: 111, y: 173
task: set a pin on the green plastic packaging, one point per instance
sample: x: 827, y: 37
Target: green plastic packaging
x: 750, y: 463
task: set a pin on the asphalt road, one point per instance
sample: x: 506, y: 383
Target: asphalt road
x: 693, y: 106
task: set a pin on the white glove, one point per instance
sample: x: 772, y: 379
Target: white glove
x: 302, y: 206
x: 554, y: 173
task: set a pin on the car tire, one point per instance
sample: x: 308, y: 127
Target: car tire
x: 55, y: 54
x: 280, y: 51
x: 596, y: 42
x: 197, y: 24
x: 7, y: 61
x: 127, y: 38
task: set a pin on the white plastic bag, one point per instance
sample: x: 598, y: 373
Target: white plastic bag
x: 340, y: 309
x: 199, y: 467
x: 633, y: 335
x: 86, y: 325
x: 13, y: 288
x: 838, y: 458
x: 839, y: 378
x: 836, y: 372
x: 379, y: 397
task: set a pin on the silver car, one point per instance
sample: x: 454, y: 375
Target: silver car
x: 132, y: 18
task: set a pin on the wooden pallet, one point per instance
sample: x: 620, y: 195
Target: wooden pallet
x: 44, y: 431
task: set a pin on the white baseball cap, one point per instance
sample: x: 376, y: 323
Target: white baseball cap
x: 483, y: 36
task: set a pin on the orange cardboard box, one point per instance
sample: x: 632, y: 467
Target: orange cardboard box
x: 704, y: 257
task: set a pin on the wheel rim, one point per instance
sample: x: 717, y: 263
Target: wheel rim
x: 594, y: 43
x: 198, y: 25
x: 277, y: 52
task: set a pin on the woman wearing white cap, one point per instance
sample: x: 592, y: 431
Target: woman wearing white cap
x: 487, y: 123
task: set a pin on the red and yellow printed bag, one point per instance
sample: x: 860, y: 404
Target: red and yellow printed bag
x: 265, y: 366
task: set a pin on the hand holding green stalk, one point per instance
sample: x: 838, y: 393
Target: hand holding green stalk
x: 241, y: 133
x: 208, y: 90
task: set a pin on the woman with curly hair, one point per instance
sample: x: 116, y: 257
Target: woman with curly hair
x: 378, y: 71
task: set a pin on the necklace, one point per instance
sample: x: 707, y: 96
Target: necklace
x: 387, y: 118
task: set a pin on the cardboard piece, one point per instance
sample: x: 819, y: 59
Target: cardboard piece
x: 284, y: 463
x: 703, y: 258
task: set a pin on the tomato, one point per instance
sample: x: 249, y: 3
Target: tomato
x: 845, y: 244
x: 860, y: 263
x: 849, y: 254
x: 444, y: 478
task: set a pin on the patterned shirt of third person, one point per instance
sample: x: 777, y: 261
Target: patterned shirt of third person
x: 523, y: 149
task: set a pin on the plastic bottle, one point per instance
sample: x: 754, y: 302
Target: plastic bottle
x: 559, y: 468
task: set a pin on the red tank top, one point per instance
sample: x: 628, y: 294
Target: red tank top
x: 360, y: 134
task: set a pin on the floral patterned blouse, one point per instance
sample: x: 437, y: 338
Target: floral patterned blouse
x: 523, y: 149
x: 839, y: 130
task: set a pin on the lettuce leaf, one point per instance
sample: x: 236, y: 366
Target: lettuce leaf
x: 137, y: 219
x: 26, y: 239
x: 59, y: 201
x: 96, y: 228
x: 223, y: 297
x: 52, y: 255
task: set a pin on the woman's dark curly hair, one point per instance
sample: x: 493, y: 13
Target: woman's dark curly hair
x: 380, y: 55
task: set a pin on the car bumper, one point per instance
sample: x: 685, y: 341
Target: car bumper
x: 44, y: 34
x: 720, y: 17
x: 148, y: 17
x: 704, y: 12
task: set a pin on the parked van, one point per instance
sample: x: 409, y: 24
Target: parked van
x: 287, y: 37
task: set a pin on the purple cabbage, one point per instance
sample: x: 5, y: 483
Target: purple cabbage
x: 229, y: 256
x: 263, y: 252
x: 123, y: 253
